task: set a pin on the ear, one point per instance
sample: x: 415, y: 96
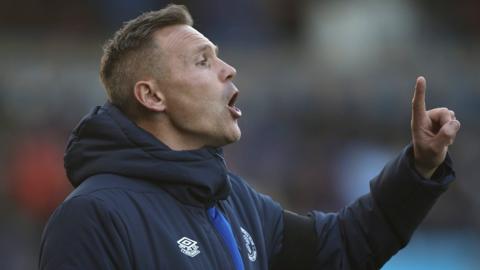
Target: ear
x: 149, y: 95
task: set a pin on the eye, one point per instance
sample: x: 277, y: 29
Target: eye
x: 203, y: 62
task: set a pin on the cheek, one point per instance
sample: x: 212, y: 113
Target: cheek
x: 196, y: 99
x: 195, y: 105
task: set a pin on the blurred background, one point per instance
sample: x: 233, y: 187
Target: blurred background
x: 325, y: 88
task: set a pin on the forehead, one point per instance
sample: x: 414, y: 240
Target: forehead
x: 182, y: 39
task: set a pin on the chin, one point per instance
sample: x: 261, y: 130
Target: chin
x: 236, y: 137
x: 232, y: 137
x: 237, y: 134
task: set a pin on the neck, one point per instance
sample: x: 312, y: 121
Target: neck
x: 169, y: 135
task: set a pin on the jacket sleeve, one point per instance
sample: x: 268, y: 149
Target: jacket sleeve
x: 83, y: 234
x: 365, y: 234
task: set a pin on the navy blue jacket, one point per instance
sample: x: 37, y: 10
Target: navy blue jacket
x: 139, y: 205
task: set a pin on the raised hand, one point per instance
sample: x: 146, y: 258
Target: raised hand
x: 432, y: 132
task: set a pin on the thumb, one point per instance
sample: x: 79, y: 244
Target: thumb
x: 446, y: 134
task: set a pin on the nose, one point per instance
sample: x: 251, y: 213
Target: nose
x: 227, y: 72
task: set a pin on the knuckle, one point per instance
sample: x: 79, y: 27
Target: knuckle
x: 448, y: 132
x: 448, y: 135
x: 444, y: 110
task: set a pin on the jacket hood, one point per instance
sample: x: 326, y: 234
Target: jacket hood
x: 107, y: 142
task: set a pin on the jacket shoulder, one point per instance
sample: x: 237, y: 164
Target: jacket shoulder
x: 99, y: 184
x: 243, y: 191
x: 80, y: 224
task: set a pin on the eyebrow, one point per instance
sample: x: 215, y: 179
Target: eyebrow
x: 207, y: 47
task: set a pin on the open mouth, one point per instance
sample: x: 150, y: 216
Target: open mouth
x: 234, y: 111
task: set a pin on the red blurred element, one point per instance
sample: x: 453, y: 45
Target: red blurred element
x: 37, y: 178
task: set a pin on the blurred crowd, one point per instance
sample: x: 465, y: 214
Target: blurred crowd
x: 325, y: 89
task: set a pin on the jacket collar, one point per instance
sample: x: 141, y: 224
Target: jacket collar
x: 106, y: 141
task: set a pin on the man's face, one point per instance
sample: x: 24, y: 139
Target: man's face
x: 198, y: 88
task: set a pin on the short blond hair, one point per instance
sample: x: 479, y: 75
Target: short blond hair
x: 129, y: 53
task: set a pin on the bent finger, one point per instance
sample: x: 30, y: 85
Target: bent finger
x: 452, y: 114
x: 446, y: 135
x: 441, y: 115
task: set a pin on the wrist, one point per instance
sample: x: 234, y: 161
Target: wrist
x: 425, y: 172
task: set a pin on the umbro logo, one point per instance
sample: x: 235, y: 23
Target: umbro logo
x: 188, y: 247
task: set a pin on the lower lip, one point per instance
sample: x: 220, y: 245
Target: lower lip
x: 235, y: 112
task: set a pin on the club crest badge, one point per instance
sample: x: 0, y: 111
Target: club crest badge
x: 250, y: 245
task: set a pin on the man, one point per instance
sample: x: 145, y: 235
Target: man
x: 152, y: 190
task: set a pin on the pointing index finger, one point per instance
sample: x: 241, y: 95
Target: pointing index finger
x: 418, y: 102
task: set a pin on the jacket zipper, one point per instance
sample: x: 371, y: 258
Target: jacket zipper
x: 219, y: 237
x: 222, y: 159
